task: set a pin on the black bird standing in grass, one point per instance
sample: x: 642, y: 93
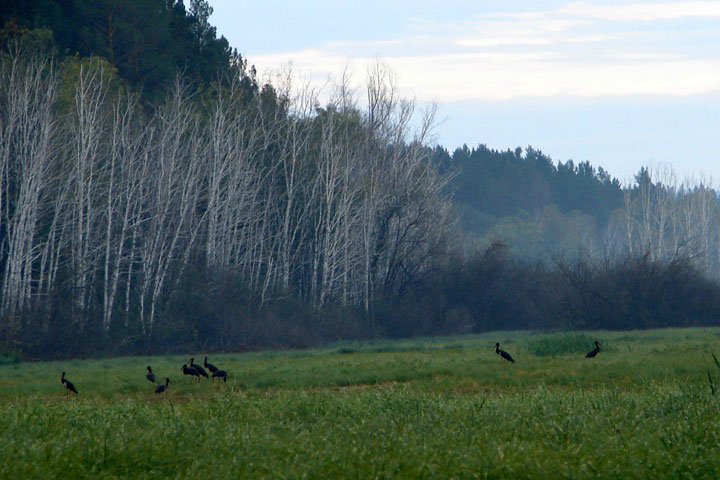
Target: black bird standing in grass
x: 162, y: 388
x: 503, y: 353
x: 150, y: 375
x: 198, y: 368
x: 189, y: 371
x: 210, y: 367
x: 593, y: 353
x: 69, y: 387
x: 220, y: 374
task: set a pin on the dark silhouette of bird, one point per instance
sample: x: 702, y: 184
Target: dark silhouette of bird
x: 220, y: 374
x: 593, y: 353
x: 198, y: 368
x: 503, y: 353
x: 210, y: 366
x: 69, y: 387
x: 189, y: 371
x: 150, y: 375
x: 162, y: 387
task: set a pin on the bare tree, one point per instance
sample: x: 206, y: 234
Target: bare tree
x: 233, y: 177
x: 170, y: 218
x: 128, y: 170
x: 88, y: 133
x: 28, y: 92
x: 109, y: 203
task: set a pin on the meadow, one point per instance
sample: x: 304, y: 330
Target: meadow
x: 444, y: 407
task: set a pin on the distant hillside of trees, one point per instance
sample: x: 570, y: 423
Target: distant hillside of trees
x: 524, y: 199
x: 155, y: 198
x: 492, y: 184
x: 544, y: 211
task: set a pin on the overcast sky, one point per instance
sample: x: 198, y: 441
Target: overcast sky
x: 621, y: 84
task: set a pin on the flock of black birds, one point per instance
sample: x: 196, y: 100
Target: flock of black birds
x: 196, y: 371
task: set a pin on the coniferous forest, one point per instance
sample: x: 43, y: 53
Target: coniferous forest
x: 155, y: 196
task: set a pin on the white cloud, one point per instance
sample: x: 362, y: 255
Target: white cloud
x: 598, y: 38
x: 500, y: 41
x: 582, y: 49
x: 620, y: 11
x: 643, y: 12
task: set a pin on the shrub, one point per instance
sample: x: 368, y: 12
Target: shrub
x: 9, y: 357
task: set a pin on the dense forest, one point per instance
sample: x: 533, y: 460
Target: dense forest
x: 154, y: 197
x: 147, y: 42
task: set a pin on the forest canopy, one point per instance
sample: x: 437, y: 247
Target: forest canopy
x: 146, y: 41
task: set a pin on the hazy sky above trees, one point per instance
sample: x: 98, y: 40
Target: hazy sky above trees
x: 618, y: 83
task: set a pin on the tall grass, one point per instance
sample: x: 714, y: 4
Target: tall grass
x: 562, y: 344
x: 388, y: 432
x: 435, y: 408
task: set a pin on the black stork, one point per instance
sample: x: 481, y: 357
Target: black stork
x: 69, y: 387
x: 162, y: 388
x: 150, y: 375
x: 198, y: 368
x: 189, y: 371
x: 503, y: 353
x: 210, y: 366
x: 220, y: 374
x: 593, y: 353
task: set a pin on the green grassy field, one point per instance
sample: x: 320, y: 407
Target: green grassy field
x: 428, y: 408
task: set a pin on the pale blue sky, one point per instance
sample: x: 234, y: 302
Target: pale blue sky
x: 620, y: 84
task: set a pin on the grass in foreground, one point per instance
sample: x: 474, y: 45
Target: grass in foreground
x: 434, y: 408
